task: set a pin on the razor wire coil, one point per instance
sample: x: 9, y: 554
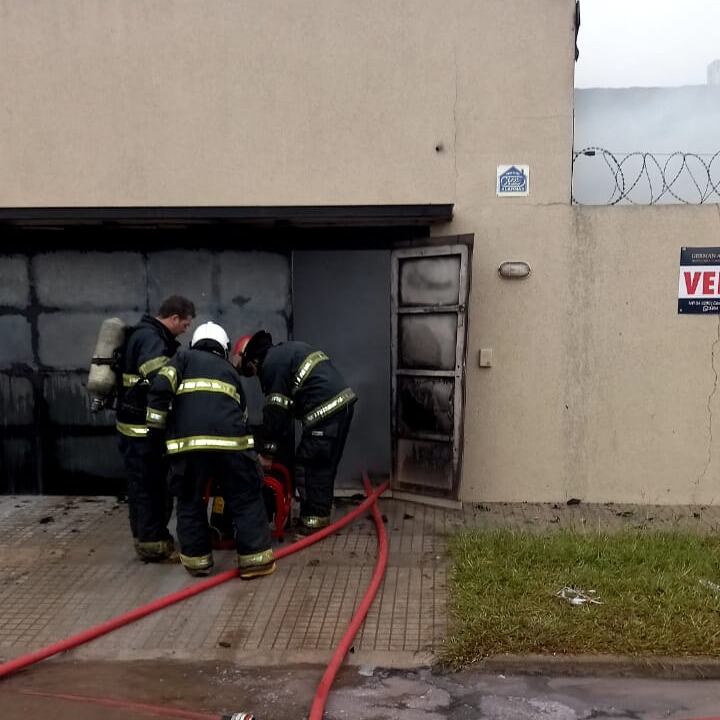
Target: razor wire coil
x: 645, y: 178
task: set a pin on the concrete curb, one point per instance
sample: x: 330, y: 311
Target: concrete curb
x: 676, y: 668
x: 260, y: 657
x: 659, y: 667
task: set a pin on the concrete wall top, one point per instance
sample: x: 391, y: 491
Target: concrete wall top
x: 331, y: 102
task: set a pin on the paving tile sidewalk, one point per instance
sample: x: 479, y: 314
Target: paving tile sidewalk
x: 67, y: 564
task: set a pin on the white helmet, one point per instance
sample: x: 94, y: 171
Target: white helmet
x: 211, y: 331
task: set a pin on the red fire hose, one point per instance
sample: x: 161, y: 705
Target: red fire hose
x: 11, y: 666
x: 136, y: 707
x: 321, y: 696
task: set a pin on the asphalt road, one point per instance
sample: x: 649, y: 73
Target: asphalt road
x: 197, y: 691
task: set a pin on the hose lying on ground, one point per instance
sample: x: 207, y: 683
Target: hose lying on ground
x: 321, y: 696
x: 323, y: 690
x: 11, y: 666
x: 137, y: 707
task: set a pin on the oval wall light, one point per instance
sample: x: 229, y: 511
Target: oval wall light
x: 514, y: 269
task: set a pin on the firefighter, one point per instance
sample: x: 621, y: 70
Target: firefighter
x: 284, y: 453
x: 149, y: 346
x: 301, y: 383
x: 197, y: 403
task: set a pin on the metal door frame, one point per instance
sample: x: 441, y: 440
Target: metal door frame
x: 449, y: 246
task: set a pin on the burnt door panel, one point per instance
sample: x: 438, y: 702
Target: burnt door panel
x: 426, y: 406
x: 429, y: 281
x: 425, y: 466
x: 428, y: 360
x: 427, y: 341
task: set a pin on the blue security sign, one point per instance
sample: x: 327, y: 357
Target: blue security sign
x: 513, y: 180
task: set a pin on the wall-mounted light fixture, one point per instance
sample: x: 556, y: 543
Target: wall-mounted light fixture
x: 514, y: 269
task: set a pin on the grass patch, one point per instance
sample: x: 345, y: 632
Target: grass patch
x: 503, y: 585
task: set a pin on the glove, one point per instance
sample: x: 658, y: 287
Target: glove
x: 265, y: 461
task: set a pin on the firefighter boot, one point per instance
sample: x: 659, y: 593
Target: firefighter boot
x: 198, y: 565
x: 309, y: 524
x: 256, y: 565
x: 157, y: 551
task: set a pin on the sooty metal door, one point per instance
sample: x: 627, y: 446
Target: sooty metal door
x: 429, y: 294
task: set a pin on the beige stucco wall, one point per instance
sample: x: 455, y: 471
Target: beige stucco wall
x: 279, y: 102
x: 598, y: 389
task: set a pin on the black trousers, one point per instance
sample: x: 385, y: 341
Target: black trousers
x: 317, y: 459
x: 239, y: 477
x: 149, y: 504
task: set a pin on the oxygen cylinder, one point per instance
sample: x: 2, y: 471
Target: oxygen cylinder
x: 102, y: 378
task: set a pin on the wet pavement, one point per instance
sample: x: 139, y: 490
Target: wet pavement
x: 360, y: 693
x: 67, y: 564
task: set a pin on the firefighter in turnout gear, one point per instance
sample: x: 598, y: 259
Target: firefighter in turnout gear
x: 197, y: 403
x: 149, y: 346
x: 300, y: 382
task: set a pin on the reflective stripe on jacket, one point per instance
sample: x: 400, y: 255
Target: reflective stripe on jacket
x: 149, y: 347
x: 198, y: 398
x: 301, y: 382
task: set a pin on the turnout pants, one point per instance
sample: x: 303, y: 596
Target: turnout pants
x: 148, y: 504
x: 240, y: 480
x: 318, y: 456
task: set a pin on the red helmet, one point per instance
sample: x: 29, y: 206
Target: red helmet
x: 241, y: 344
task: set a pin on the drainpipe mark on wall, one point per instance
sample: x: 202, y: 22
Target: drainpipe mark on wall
x: 579, y: 358
x: 455, y: 150
x: 702, y: 475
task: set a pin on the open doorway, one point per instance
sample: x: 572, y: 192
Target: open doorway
x: 394, y: 323
x: 341, y: 304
